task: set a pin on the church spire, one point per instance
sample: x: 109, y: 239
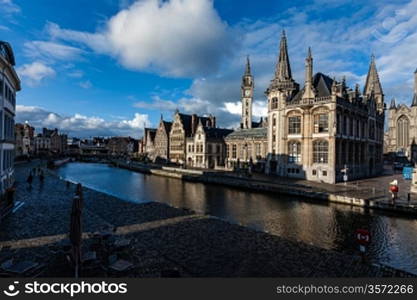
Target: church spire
x: 308, y: 85
x: 247, y: 68
x: 414, y: 103
x: 372, y: 80
x: 283, y: 68
x: 247, y: 88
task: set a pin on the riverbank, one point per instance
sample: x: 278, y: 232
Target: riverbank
x: 371, y: 196
x: 153, y: 240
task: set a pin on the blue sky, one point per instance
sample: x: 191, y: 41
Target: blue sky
x: 108, y: 67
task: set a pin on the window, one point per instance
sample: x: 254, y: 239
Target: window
x: 293, y: 171
x: 234, y: 151
x: 294, y: 152
x: 294, y: 125
x: 320, y: 152
x: 402, y: 132
x: 274, y: 103
x: 321, y: 123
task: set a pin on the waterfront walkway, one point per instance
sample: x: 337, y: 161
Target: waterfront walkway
x: 151, y: 240
x: 370, y: 193
x: 375, y: 188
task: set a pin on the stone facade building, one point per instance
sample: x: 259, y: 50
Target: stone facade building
x: 121, y: 146
x: 247, y: 145
x: 9, y: 85
x: 24, y: 134
x: 149, y: 142
x: 50, y: 141
x: 162, y: 140
x: 324, y: 130
x: 207, y: 149
x: 184, y: 126
x: 402, y: 127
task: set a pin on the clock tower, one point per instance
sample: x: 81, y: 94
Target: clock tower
x: 247, y: 97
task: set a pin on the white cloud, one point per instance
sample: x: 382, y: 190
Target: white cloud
x: 51, y: 50
x: 4, y: 28
x: 81, y: 125
x: 259, y: 108
x: 9, y: 7
x: 86, y: 84
x: 35, y: 72
x: 76, y: 74
x: 174, y: 38
x: 341, y: 46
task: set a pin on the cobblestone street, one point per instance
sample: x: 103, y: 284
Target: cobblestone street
x: 152, y: 240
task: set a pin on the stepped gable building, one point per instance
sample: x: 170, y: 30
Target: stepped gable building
x: 162, y: 140
x: 402, y: 127
x: 323, y: 130
x: 207, y: 149
x: 248, y: 144
x: 184, y: 126
x: 9, y: 85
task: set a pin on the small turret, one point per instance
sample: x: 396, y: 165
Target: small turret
x: 393, y: 105
x: 308, y: 85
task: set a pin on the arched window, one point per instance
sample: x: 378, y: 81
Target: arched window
x: 294, y: 152
x: 320, y: 152
x: 403, y: 126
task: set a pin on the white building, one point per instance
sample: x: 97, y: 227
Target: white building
x: 9, y: 85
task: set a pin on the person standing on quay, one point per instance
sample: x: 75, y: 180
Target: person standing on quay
x: 30, y: 179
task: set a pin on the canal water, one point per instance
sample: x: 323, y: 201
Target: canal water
x: 330, y: 226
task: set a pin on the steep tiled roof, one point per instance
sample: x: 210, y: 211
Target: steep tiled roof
x: 216, y: 133
x: 322, y: 85
x: 167, y: 125
x: 248, y: 133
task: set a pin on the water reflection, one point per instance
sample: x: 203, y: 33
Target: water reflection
x: 394, y: 239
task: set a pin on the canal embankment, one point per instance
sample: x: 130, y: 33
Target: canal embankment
x: 154, y: 240
x: 366, y: 198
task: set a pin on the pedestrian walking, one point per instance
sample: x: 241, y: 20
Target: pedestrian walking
x: 30, y: 179
x: 394, y: 191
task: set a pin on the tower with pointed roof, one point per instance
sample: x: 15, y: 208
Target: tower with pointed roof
x: 373, y: 87
x: 247, y: 89
x: 283, y: 80
x: 281, y: 88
